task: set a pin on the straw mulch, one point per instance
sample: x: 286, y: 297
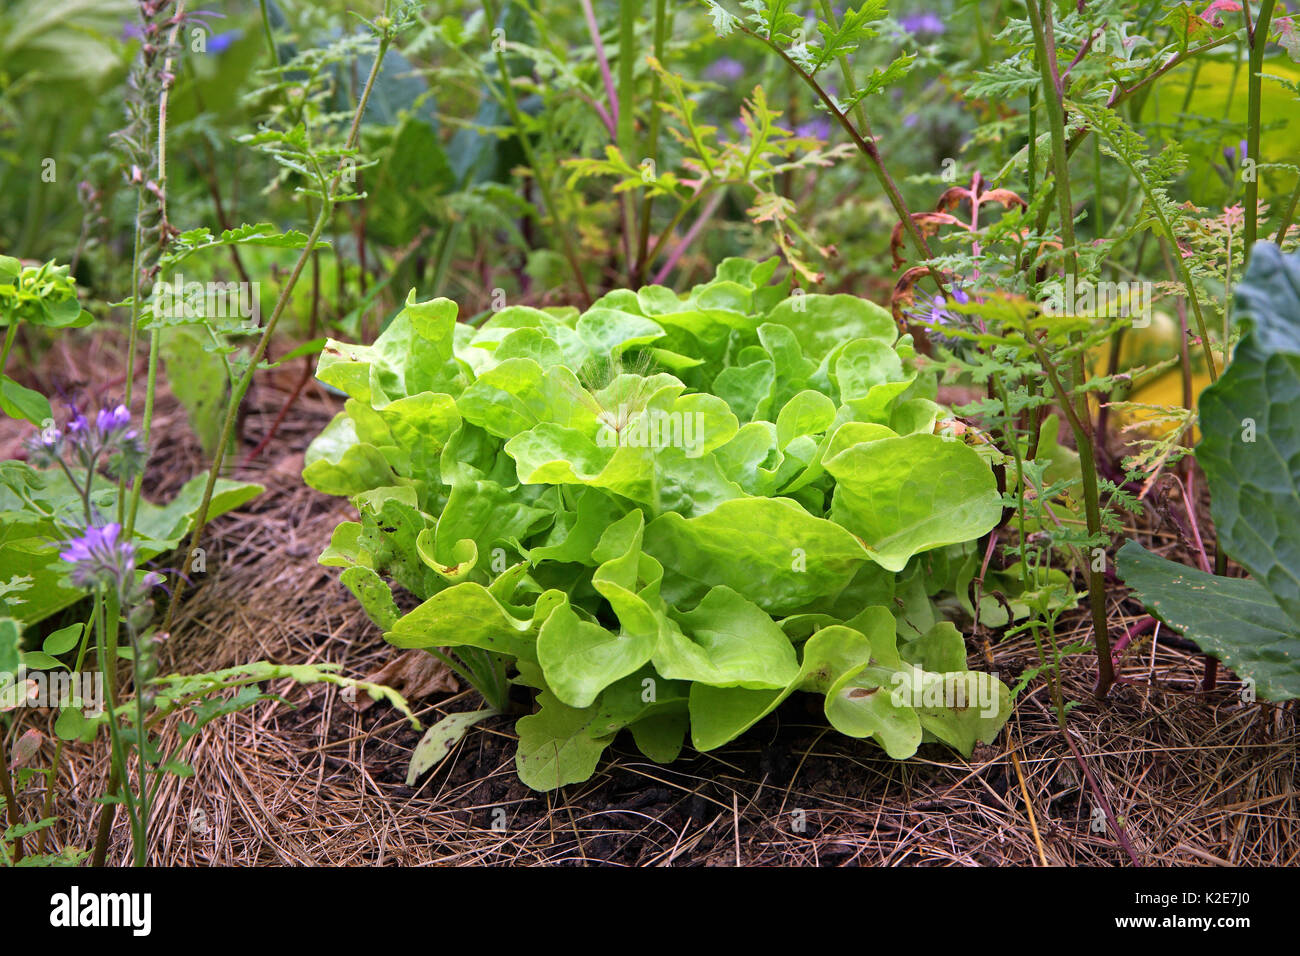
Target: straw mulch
x: 1188, y: 777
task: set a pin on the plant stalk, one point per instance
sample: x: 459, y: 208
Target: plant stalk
x: 264, y: 341
x: 1076, y: 407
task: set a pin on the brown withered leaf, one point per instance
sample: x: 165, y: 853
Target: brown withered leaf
x: 927, y: 223
x: 413, y: 674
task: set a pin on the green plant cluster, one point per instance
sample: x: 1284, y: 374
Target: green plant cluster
x: 668, y: 511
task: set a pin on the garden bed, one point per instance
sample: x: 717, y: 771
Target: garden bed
x: 1199, y: 779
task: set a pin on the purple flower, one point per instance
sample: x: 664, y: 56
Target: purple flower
x: 818, y: 128
x: 934, y: 310
x: 77, y: 425
x: 99, y: 557
x: 725, y: 69
x: 109, y: 421
x: 222, y: 42
x: 922, y: 23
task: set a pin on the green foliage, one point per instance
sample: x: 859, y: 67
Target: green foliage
x: 35, y: 506
x: 667, y: 511
x: 1251, y: 448
x: 1250, y: 453
x: 1234, y: 620
x: 43, y: 295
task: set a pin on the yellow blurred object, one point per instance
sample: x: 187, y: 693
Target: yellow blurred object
x: 1144, y: 349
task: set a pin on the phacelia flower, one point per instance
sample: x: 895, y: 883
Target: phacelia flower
x: 110, y: 421
x: 725, y: 69
x: 935, y: 312
x: 100, y: 557
x: 816, y: 128
x: 221, y: 42
x: 922, y: 23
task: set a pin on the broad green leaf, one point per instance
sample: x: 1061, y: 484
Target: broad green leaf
x: 660, y: 735
x: 63, y: 640
x: 580, y: 658
x: 769, y: 550
x: 198, y: 378
x: 909, y: 494
x: 1251, y: 445
x: 375, y: 596
x: 18, y: 401
x: 720, y: 714
x: 465, y: 614
x: 862, y: 703
x: 821, y: 322
x: 554, y: 746
x: 727, y: 641
x: 336, y: 463
x: 1233, y: 619
x: 808, y: 413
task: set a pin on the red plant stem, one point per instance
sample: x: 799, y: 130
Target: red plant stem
x: 696, y: 227
x: 279, y: 418
x: 1137, y: 630
x: 608, y: 117
x: 1189, y: 506
x: 11, y: 801
x: 1100, y: 797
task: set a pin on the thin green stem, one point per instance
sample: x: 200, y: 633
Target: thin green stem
x: 626, y: 123
x: 652, y: 142
x: 865, y: 143
x: 53, y: 775
x: 142, y: 747
x: 7, y: 791
x: 151, y: 384
x: 11, y: 334
x: 1258, y: 37
x: 107, y: 615
x: 1288, y: 217
x: 246, y: 380
x: 270, y: 37
x: 1117, y: 97
x: 1076, y: 406
x: 539, y: 174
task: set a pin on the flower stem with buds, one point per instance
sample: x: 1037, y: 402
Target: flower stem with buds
x: 246, y: 380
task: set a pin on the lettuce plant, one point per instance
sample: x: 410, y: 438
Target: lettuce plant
x: 668, y: 513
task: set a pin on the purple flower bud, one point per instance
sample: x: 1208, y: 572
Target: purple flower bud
x: 221, y: 42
